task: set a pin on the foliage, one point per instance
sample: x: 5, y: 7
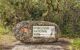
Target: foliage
x: 63, y: 12
x: 76, y: 43
x: 4, y: 30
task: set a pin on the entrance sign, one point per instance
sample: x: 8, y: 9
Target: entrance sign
x: 43, y: 31
x: 36, y: 31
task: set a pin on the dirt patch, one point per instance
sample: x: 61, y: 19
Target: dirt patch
x: 61, y: 44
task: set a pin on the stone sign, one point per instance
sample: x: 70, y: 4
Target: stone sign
x: 36, y: 31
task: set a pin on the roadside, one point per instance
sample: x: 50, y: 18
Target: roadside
x: 7, y: 42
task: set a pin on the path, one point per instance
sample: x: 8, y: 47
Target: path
x: 62, y: 44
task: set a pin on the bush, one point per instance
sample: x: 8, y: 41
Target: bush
x: 64, y: 13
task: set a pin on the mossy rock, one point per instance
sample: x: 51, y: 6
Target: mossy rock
x: 23, y: 32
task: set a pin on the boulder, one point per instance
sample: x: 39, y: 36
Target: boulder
x: 36, y: 32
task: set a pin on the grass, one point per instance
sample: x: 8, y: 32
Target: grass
x: 76, y: 43
x: 7, y: 39
x: 5, y: 35
x: 3, y: 30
